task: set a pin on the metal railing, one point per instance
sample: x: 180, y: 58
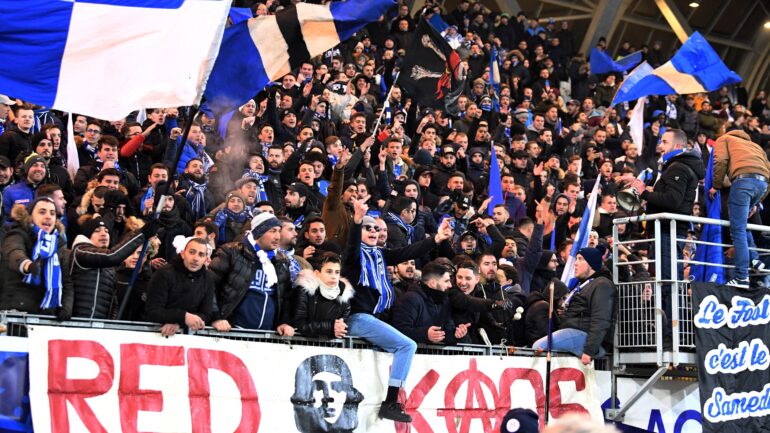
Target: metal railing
x: 640, y: 315
x: 16, y: 325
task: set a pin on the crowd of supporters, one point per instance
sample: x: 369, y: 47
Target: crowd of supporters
x: 293, y: 215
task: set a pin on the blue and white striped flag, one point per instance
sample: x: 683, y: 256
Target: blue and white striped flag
x: 268, y: 47
x: 91, y: 57
x: 581, y: 238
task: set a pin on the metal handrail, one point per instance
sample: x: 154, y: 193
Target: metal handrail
x: 686, y: 218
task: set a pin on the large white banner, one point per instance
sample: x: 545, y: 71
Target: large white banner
x: 84, y: 380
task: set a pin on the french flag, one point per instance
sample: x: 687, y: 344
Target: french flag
x: 107, y: 58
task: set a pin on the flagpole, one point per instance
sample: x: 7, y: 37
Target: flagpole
x: 163, y: 190
x: 548, y: 353
x: 387, y: 98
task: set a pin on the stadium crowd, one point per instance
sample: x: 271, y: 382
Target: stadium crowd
x: 292, y: 215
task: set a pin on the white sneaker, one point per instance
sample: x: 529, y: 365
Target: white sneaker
x: 737, y: 282
x: 757, y: 265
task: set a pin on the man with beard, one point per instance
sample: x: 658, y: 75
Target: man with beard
x: 355, y: 135
x: 56, y: 174
x: 424, y: 314
x: 468, y: 305
x: 106, y: 157
x: 23, y: 192
x: 273, y: 173
x: 193, y: 186
x: 501, y: 217
x: 6, y: 180
x: 295, y: 203
x: 288, y: 243
x: 145, y: 201
x: 447, y: 166
x: 399, y: 219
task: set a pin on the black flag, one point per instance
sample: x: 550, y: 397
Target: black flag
x: 432, y: 73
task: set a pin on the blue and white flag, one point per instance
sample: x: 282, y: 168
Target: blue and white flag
x: 705, y: 253
x: 494, y: 78
x: 581, y: 237
x: 695, y: 68
x: 107, y: 58
x: 602, y: 63
x: 268, y: 47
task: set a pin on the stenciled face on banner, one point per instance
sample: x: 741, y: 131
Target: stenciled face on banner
x: 325, y: 399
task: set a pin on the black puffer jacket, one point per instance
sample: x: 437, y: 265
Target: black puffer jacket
x: 92, y: 270
x: 178, y: 291
x: 592, y: 310
x: 315, y: 314
x: 17, y: 246
x: 234, y: 267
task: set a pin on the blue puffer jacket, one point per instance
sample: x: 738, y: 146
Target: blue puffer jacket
x: 19, y: 193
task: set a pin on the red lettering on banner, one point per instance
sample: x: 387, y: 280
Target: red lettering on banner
x: 475, y: 380
x: 200, y: 361
x: 131, y: 398
x: 75, y: 391
x: 566, y: 375
x: 413, y: 402
x: 511, y: 375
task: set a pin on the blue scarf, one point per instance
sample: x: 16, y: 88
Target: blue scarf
x: 374, y: 275
x: 294, y: 267
x: 225, y: 215
x: 395, y: 219
x: 261, y: 179
x: 332, y: 160
x: 44, y: 252
x: 195, y: 195
x: 90, y: 149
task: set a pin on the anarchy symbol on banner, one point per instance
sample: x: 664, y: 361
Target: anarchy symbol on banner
x: 476, y: 406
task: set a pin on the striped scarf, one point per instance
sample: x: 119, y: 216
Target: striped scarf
x: 195, y: 195
x: 265, y: 258
x: 225, y: 215
x: 395, y: 219
x: 44, y: 251
x: 374, y: 275
x: 261, y: 179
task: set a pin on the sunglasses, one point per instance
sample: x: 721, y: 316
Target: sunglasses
x: 369, y: 227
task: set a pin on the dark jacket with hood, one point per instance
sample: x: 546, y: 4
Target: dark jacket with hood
x: 675, y: 190
x: 14, y: 141
x: 92, y: 270
x: 592, y: 310
x: 421, y: 308
x: 315, y: 313
x: 177, y: 291
x: 536, y: 311
x: 542, y: 276
x: 16, y: 248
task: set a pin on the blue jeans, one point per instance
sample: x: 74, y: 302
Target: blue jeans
x: 568, y: 340
x: 388, y: 338
x: 744, y: 194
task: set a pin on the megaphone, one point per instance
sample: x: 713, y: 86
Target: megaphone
x: 629, y: 200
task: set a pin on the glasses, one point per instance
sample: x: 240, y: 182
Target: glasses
x: 369, y: 227
x: 93, y: 131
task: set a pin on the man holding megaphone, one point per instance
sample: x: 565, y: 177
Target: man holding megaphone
x: 680, y: 169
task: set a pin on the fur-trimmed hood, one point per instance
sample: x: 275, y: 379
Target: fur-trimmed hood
x: 24, y: 219
x: 307, y: 280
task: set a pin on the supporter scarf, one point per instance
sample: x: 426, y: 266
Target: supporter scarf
x: 333, y: 160
x: 100, y: 163
x: 294, y: 267
x: 395, y: 219
x: 225, y: 215
x: 2, y: 127
x: 90, y: 149
x: 195, y: 195
x: 574, y: 291
x: 397, y: 169
x: 261, y: 179
x: 264, y: 258
x: 374, y: 275
x: 44, y: 251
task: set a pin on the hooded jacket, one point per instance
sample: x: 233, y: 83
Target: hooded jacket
x: 315, y: 314
x: 736, y: 154
x: 542, y: 276
x: 16, y: 248
x: 536, y: 311
x: 592, y: 310
x: 92, y: 270
x: 421, y: 308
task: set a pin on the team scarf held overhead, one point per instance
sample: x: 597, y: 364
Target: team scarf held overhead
x: 44, y: 251
x: 195, y: 195
x: 374, y: 275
